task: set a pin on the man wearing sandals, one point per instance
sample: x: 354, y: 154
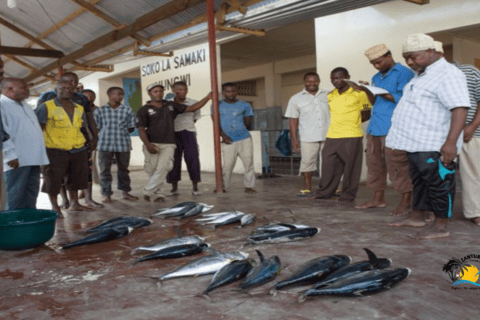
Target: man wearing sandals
x: 310, y: 116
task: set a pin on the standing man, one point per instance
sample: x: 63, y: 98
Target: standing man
x: 186, y: 141
x: 470, y: 152
x: 24, y: 152
x: 115, y: 122
x: 156, y: 130
x: 428, y: 124
x: 87, y: 193
x: 235, y: 123
x: 308, y: 112
x: 391, y: 77
x: 82, y: 100
x: 342, y: 153
x: 3, y: 137
x: 61, y: 120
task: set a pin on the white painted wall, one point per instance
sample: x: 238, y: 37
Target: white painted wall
x: 465, y: 51
x: 342, y: 39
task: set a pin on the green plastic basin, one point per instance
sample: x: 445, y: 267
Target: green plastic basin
x: 26, y: 228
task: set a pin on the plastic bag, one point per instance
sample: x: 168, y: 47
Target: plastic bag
x: 283, y: 144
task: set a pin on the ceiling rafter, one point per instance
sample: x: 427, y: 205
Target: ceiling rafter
x: 26, y: 65
x: 420, y: 2
x: 141, y: 23
x: 118, y: 25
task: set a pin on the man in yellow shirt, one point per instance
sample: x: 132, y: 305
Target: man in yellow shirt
x: 342, y: 153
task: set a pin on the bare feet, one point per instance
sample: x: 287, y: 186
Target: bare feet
x: 215, y: 191
x: 476, y: 221
x: 59, y: 212
x: 107, y: 199
x: 400, y: 211
x: 159, y: 199
x: 81, y: 195
x: 437, y: 230
x: 429, y: 217
x: 65, y: 204
x: 79, y: 207
x: 415, y: 219
x: 146, y: 198
x: 128, y: 196
x: 93, y: 204
x: 250, y: 191
x: 372, y: 204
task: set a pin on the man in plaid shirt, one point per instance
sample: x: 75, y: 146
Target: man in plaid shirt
x: 428, y: 124
x: 115, y: 122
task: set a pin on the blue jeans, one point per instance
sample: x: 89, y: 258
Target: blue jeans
x: 105, y: 160
x: 22, y: 187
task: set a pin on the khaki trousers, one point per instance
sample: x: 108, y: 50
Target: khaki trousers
x: 230, y: 152
x: 157, y: 166
x: 470, y: 176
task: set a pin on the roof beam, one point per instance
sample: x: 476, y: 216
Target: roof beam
x: 28, y: 66
x: 31, y: 52
x: 24, y: 34
x: 259, y: 33
x: 141, y: 23
x: 92, y: 9
x: 420, y: 2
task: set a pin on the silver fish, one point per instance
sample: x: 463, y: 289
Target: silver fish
x: 205, y: 265
x: 227, y: 218
x: 276, y: 227
x: 248, y: 219
x: 171, y: 243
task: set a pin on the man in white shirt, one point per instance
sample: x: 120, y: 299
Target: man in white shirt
x: 24, y: 152
x: 309, y: 114
x: 428, y: 124
x: 186, y: 141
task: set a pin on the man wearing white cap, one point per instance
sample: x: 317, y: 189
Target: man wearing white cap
x: 392, y: 77
x: 157, y: 132
x: 428, y: 124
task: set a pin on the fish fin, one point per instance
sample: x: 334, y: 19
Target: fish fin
x: 260, y: 255
x: 302, y: 298
x: 273, y: 292
x: 372, y: 257
x: 287, y: 225
x: 266, y: 220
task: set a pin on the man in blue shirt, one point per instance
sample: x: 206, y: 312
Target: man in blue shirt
x: 235, y: 121
x: 392, y: 77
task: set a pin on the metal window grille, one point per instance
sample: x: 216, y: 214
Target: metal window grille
x: 247, y: 88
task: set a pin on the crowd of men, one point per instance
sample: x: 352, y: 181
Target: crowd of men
x: 424, y: 117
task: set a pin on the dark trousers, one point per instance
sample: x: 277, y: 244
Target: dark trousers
x: 433, y: 183
x: 342, y: 156
x: 105, y: 160
x: 22, y: 186
x: 186, y: 145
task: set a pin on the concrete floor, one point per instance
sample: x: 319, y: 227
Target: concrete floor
x: 100, y: 282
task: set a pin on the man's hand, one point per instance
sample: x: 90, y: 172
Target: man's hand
x: 14, y: 164
x: 449, y: 152
x: 468, y: 132
x: 365, y: 83
x: 226, y: 139
x: 210, y: 95
x: 151, y: 148
x: 92, y: 145
x: 296, y: 145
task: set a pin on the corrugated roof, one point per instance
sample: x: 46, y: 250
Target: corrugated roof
x: 37, y: 16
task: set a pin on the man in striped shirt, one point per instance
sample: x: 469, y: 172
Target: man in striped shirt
x: 428, y: 124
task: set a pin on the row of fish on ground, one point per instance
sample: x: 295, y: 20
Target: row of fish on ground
x: 330, y: 275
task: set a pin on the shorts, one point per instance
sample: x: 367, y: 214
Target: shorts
x: 311, y: 154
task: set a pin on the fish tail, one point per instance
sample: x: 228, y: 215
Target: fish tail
x: 302, y: 298
x: 273, y: 292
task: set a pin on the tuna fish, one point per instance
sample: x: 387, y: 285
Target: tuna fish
x: 265, y: 272
x: 133, y: 222
x: 101, y: 236
x: 175, y: 252
x: 247, y: 219
x: 313, y: 271
x: 171, y: 243
x: 276, y: 227
x: 230, y: 273
x: 291, y: 234
x: 182, y: 210
x: 361, y: 284
x: 205, y: 265
x: 354, y: 268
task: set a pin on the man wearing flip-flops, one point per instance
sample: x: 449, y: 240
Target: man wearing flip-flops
x: 310, y: 117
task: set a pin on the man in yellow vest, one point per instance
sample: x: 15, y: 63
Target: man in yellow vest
x: 61, y: 120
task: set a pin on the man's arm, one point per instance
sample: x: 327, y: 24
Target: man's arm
x: 199, y: 104
x: 293, y: 124
x: 471, y: 127
x: 142, y: 132
x: 9, y: 155
x: 248, y: 122
x: 457, y: 123
x: 225, y: 138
